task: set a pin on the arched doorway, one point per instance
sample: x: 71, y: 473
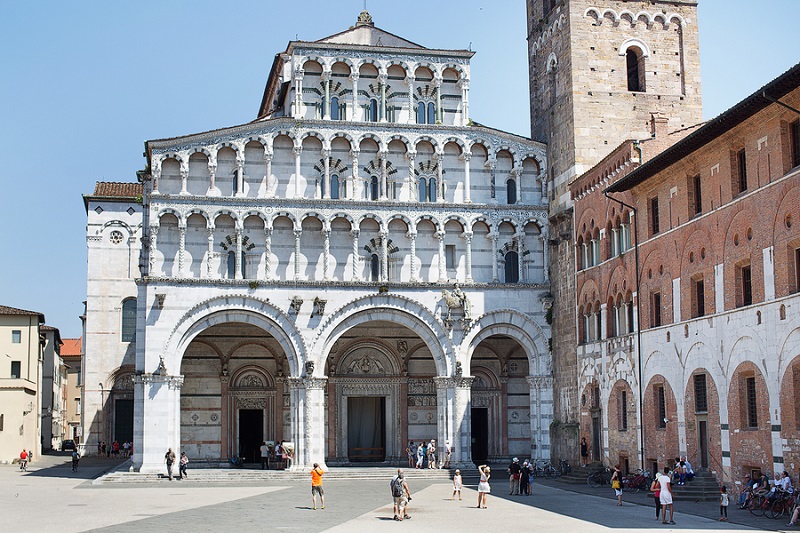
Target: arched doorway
x: 232, y: 397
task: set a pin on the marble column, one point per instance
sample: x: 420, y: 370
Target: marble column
x: 297, y: 151
x: 440, y: 175
x: 412, y: 236
x: 298, y: 93
x: 326, y: 253
x: 545, y: 257
x: 326, y: 155
x: 461, y: 439
x: 413, y: 193
x: 442, y: 270
x: 268, y: 253
x: 356, y: 257
x: 466, y: 156
x: 156, y: 174
x: 520, y: 256
x: 153, y: 249
x: 491, y: 164
x: 468, y: 244
x: 181, y: 250
x: 463, y: 84
x: 297, y: 234
x: 224, y: 419
x: 265, y: 191
x: 493, y: 236
x: 356, y: 108
x: 383, y: 194
x: 237, y: 260
x: 445, y: 397
x: 326, y: 102
x: 384, y: 255
x: 157, y: 399
x: 210, y: 252
x: 437, y: 82
x: 297, y: 402
x: 354, y: 190
x: 518, y: 181
x: 541, y: 409
x: 280, y: 385
x: 412, y: 115
x: 314, y: 424
x: 382, y: 78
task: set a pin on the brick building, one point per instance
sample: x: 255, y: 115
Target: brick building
x: 687, y: 254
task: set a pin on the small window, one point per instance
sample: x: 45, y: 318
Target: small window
x: 432, y: 190
x: 16, y: 336
x: 334, y: 108
x: 744, y: 287
x: 421, y: 113
x: 128, y: 332
x: 450, y: 256
x: 697, y: 200
x: 231, y: 264
x: 372, y: 111
x: 244, y: 265
x: 797, y: 270
x: 2, y: 421
x: 741, y: 171
x: 752, y: 406
x: 661, y: 407
x: 374, y: 192
x: 623, y: 411
x: 654, y: 221
x: 794, y: 135
x: 700, y: 394
x: 635, y: 66
x: 512, y: 267
x: 375, y: 268
x: 698, y: 298
x: 423, y: 190
x: 655, y: 309
x: 431, y: 113
x: 511, y: 192
x: 335, y: 187
x: 16, y: 369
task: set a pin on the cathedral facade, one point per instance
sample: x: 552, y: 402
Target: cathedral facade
x: 359, y: 267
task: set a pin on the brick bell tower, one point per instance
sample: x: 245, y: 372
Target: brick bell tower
x: 598, y: 70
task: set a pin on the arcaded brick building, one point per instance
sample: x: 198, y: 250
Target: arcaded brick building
x: 687, y: 254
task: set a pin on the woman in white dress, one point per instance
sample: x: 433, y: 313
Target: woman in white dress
x: 483, y: 485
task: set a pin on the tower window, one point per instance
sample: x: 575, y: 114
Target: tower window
x: 373, y: 188
x: 421, y: 113
x: 752, y: 404
x: 231, y: 264
x: 374, y: 268
x: 740, y: 176
x: 654, y: 222
x: 335, y: 187
x: 511, y: 192
x: 635, y: 68
x: 699, y: 298
x: 655, y: 309
x: 794, y: 135
x: 661, y: 407
x: 700, y: 394
x: 16, y: 371
x: 744, y: 282
x: 623, y: 410
x: 334, y: 108
x: 697, y: 199
x: 432, y: 190
x: 372, y: 111
x: 431, y: 113
x: 512, y: 267
x: 129, y: 320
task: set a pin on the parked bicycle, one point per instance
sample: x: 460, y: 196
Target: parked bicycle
x: 564, y: 467
x: 600, y: 478
x: 637, y: 481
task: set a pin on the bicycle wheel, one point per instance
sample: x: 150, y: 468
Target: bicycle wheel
x: 777, y: 509
x: 636, y: 486
x: 756, y: 506
x: 557, y: 472
x: 593, y: 480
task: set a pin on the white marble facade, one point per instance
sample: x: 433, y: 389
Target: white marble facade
x: 296, y: 263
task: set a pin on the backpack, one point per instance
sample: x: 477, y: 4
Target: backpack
x: 397, y: 488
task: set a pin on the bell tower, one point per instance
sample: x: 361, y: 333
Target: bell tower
x: 598, y: 71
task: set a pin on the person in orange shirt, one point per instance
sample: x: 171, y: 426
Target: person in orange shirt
x: 316, y: 486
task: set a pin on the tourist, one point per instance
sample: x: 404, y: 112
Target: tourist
x: 169, y: 459
x: 125, y: 447
x: 116, y: 449
x: 457, y: 484
x: 23, y: 459
x: 483, y: 485
x: 514, y: 472
x: 75, y: 458
x: 316, y: 486
x: 411, y: 452
x: 616, y: 484
x: 785, y: 482
x: 584, y: 452
x: 448, y: 452
x: 724, y: 500
x: 688, y: 470
x: 105, y: 449
x: 401, y: 495
x: 795, y: 514
x: 666, y: 497
x: 432, y: 454
x: 747, y: 487
x: 655, y: 488
x: 183, y: 463
x: 531, y: 473
x: 264, y: 449
x: 523, y: 479
x: 99, y: 449
x: 420, y: 454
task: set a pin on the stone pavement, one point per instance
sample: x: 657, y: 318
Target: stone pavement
x: 52, y: 498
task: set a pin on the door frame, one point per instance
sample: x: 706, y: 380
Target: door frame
x: 381, y: 387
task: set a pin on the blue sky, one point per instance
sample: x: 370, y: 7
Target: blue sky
x: 84, y: 84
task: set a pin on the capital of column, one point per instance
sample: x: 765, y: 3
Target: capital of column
x: 326, y: 75
x: 298, y: 233
x: 315, y: 383
x: 182, y: 230
x: 297, y: 150
x: 299, y: 73
x: 325, y: 152
x: 294, y: 383
x: 410, y: 80
x: 354, y: 76
x: 491, y: 164
x: 467, y: 235
x: 354, y: 233
x: 383, y: 78
x: 440, y: 235
x: 466, y: 156
x: 463, y: 83
x: 154, y: 230
x: 437, y: 81
x: 411, y: 235
x: 540, y: 382
x: 411, y: 155
x: 268, y: 156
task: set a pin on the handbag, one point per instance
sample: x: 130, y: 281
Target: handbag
x: 616, y: 484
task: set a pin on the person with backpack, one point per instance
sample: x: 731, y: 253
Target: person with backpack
x: 401, y: 495
x: 75, y: 458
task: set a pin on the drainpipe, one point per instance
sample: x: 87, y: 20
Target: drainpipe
x: 638, y: 314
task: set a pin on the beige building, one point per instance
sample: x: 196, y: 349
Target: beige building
x: 71, y: 351
x: 20, y: 382
x: 54, y: 389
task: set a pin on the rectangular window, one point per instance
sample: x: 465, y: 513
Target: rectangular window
x: 655, y: 309
x: 2, y: 422
x: 661, y: 407
x: 16, y: 336
x: 623, y: 410
x: 654, y: 223
x: 700, y: 394
x: 450, y: 256
x: 794, y: 134
x: 697, y: 188
x: 741, y: 171
x: 16, y: 369
x: 744, y: 282
x: 752, y: 412
x: 797, y: 270
x: 699, y: 298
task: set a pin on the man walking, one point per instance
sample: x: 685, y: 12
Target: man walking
x: 401, y: 495
x: 316, y: 486
x: 448, y: 451
x: 169, y: 458
x: 75, y: 458
x: 514, y: 472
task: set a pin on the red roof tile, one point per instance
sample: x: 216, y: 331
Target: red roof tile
x: 117, y: 190
x: 71, y: 347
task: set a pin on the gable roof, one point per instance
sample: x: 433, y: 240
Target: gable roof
x: 364, y: 33
x: 13, y: 311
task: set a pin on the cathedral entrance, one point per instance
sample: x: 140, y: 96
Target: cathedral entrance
x: 251, y: 434
x: 366, y: 429
x: 480, y: 435
x: 123, y: 420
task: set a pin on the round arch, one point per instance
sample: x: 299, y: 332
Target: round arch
x: 512, y: 324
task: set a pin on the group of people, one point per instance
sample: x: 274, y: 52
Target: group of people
x: 423, y: 455
x: 520, y: 477
x: 277, y: 452
x: 183, y: 464
x: 115, y: 449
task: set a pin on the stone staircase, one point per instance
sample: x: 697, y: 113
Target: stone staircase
x: 252, y: 474
x: 578, y: 475
x: 703, y: 488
